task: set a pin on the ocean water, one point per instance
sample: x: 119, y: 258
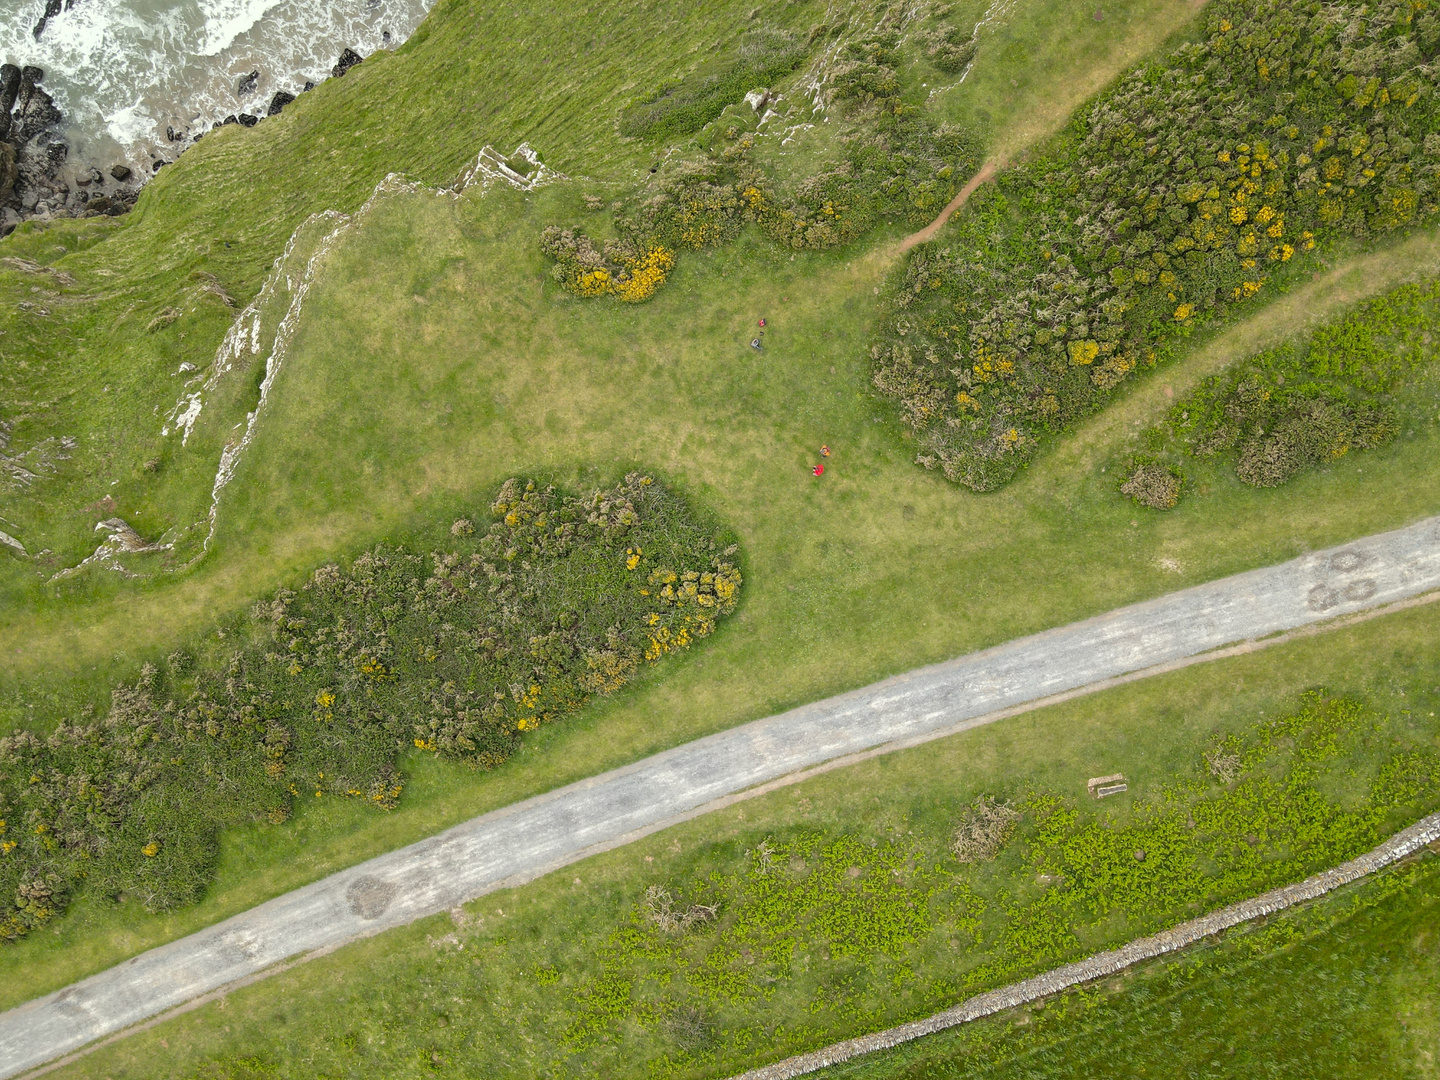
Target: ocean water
x: 125, y: 71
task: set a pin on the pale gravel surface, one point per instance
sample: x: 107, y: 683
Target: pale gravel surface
x: 1406, y: 842
x: 530, y: 838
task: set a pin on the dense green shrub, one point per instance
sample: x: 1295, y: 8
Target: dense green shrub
x: 687, y: 105
x: 1293, y: 408
x: 458, y: 651
x: 952, y: 49
x: 1153, y: 485
x: 896, y: 166
x: 1172, y: 197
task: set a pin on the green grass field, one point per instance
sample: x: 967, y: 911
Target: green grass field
x: 434, y: 358
x: 1344, y: 988
x: 498, y: 989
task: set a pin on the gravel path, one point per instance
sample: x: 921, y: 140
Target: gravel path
x: 530, y: 838
x: 1406, y: 842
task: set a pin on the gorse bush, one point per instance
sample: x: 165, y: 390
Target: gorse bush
x: 896, y: 166
x: 1297, y: 407
x: 687, y: 105
x: 458, y: 652
x: 1153, y: 485
x: 1174, y: 196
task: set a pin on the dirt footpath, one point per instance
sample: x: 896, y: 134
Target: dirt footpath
x: 531, y: 838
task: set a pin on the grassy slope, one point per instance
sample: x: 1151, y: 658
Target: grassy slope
x: 1353, y: 998
x: 386, y: 1005
x: 394, y: 408
x: 554, y: 74
x: 833, y: 600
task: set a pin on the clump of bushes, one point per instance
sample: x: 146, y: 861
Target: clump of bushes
x: 457, y: 650
x: 619, y: 268
x: 685, y: 106
x: 896, y: 166
x: 983, y: 830
x: 1298, y: 407
x: 1176, y: 195
x: 952, y: 49
x: 1153, y: 485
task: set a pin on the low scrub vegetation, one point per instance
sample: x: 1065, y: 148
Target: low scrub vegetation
x: 1177, y: 195
x: 1324, y: 984
x: 896, y: 166
x: 686, y: 105
x: 1299, y: 407
x: 457, y: 651
x: 1024, y: 887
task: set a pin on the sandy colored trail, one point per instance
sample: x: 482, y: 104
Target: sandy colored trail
x: 518, y: 843
x: 928, y: 233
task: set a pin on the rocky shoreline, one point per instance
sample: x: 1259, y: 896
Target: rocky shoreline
x: 39, y: 180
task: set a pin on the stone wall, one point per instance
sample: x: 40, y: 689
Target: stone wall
x: 1406, y: 842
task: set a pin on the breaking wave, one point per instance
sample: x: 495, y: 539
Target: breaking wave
x: 129, y: 73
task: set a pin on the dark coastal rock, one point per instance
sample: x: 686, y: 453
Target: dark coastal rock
x: 348, y: 59
x: 247, y: 84
x: 9, y: 90
x: 246, y: 120
x: 308, y: 86
x: 35, y: 110
x: 52, y: 8
x: 9, y: 172
x: 156, y: 166
x: 278, y: 102
x: 37, y: 178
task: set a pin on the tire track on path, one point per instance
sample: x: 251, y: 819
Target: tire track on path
x: 518, y: 843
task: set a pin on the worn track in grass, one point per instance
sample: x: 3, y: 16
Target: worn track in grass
x: 528, y: 839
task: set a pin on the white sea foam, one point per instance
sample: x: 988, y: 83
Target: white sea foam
x: 125, y: 71
x: 130, y: 125
x: 227, y: 20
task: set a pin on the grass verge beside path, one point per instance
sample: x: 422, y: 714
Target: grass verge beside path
x: 490, y: 372
x: 496, y: 990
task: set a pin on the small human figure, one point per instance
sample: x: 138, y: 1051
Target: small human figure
x: 762, y: 323
x: 824, y: 451
x: 819, y: 470
x: 755, y: 343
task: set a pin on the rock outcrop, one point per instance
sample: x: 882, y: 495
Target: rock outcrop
x: 37, y: 177
x: 348, y: 59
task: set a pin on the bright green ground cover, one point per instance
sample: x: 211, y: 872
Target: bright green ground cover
x: 433, y: 361
x: 1343, y: 988
x: 573, y: 975
x: 1350, y: 386
x: 492, y: 371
